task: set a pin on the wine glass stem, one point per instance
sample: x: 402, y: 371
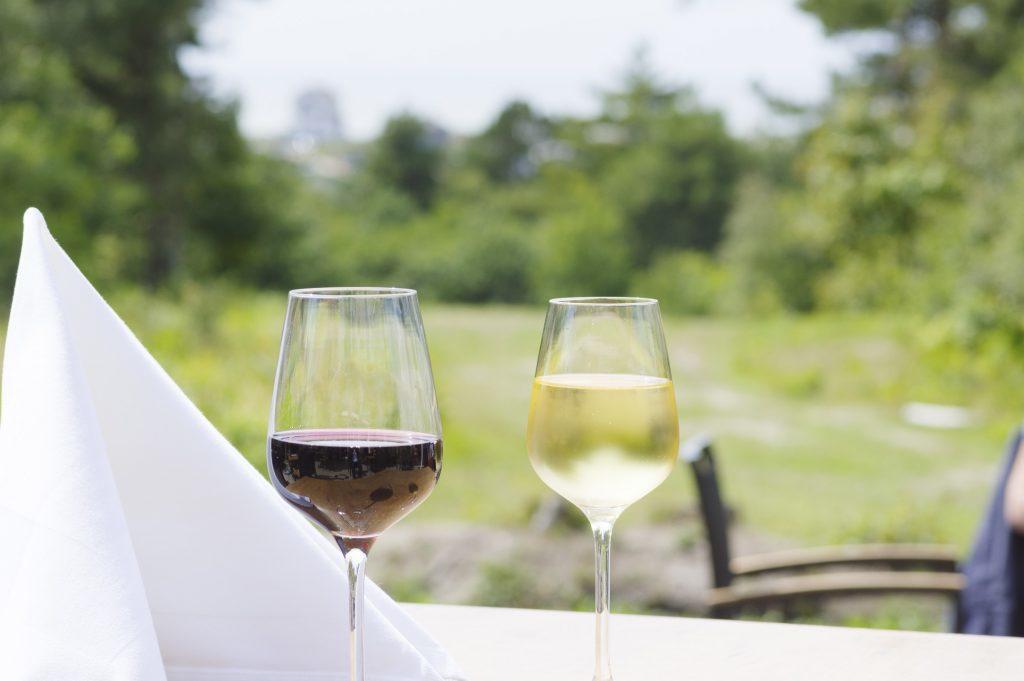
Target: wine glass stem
x: 356, y: 561
x: 602, y: 596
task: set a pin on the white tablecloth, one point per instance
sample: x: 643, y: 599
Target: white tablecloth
x: 498, y: 644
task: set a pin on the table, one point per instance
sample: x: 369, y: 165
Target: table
x: 504, y: 644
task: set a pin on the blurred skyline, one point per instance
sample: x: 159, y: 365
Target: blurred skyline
x: 459, y: 63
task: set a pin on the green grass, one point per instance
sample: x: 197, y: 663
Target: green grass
x: 805, y: 411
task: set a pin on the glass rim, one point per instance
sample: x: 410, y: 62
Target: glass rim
x: 604, y: 301
x: 328, y: 292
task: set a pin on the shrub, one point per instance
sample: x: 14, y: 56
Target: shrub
x: 773, y: 265
x: 685, y: 282
x: 479, y: 263
x: 582, y: 247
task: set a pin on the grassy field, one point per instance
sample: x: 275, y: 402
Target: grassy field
x: 805, y: 411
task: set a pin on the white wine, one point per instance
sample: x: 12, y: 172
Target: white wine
x: 602, y: 441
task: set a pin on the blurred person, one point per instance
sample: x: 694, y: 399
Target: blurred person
x: 992, y: 601
x: 1013, y: 507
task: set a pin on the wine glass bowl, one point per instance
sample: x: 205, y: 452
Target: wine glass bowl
x: 603, y: 441
x: 355, y: 483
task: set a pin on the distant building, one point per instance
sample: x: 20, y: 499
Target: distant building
x: 315, y: 142
x: 316, y: 118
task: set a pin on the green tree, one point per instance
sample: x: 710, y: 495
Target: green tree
x: 202, y: 194
x: 676, y: 186
x: 968, y: 37
x: 669, y: 165
x: 583, y: 246
x: 408, y: 158
x: 902, y: 195
x: 60, y: 150
x: 774, y: 265
x: 684, y: 282
x: 503, y: 151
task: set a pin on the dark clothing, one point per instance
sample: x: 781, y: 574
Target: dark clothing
x: 992, y: 601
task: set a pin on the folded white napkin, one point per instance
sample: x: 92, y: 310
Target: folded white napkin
x: 135, y: 542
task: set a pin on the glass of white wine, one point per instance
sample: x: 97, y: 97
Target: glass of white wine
x: 603, y: 428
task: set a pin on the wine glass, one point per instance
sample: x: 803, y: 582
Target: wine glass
x: 355, y: 436
x: 603, y: 429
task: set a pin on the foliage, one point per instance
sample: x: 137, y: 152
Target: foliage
x: 148, y: 176
x: 902, y: 192
x: 407, y: 158
x: 905, y: 194
x: 482, y: 256
x: 507, y: 150
x: 684, y: 282
x: 508, y: 585
x: 971, y: 37
x: 773, y: 264
x: 534, y: 206
x: 59, y: 148
x: 670, y: 167
x: 743, y: 380
x: 583, y: 245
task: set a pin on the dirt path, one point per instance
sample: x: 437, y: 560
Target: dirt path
x: 656, y: 568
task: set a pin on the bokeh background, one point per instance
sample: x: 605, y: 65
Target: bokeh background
x: 827, y: 196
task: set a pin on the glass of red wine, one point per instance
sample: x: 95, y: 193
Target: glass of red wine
x: 355, y: 435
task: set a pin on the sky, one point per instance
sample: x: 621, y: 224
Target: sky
x: 458, y: 62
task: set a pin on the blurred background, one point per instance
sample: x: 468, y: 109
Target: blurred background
x: 827, y: 196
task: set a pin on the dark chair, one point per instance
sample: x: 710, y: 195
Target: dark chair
x: 894, y: 568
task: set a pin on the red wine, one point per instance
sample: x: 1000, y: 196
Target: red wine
x: 356, y: 483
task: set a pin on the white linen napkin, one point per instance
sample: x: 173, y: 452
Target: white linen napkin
x: 135, y: 542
